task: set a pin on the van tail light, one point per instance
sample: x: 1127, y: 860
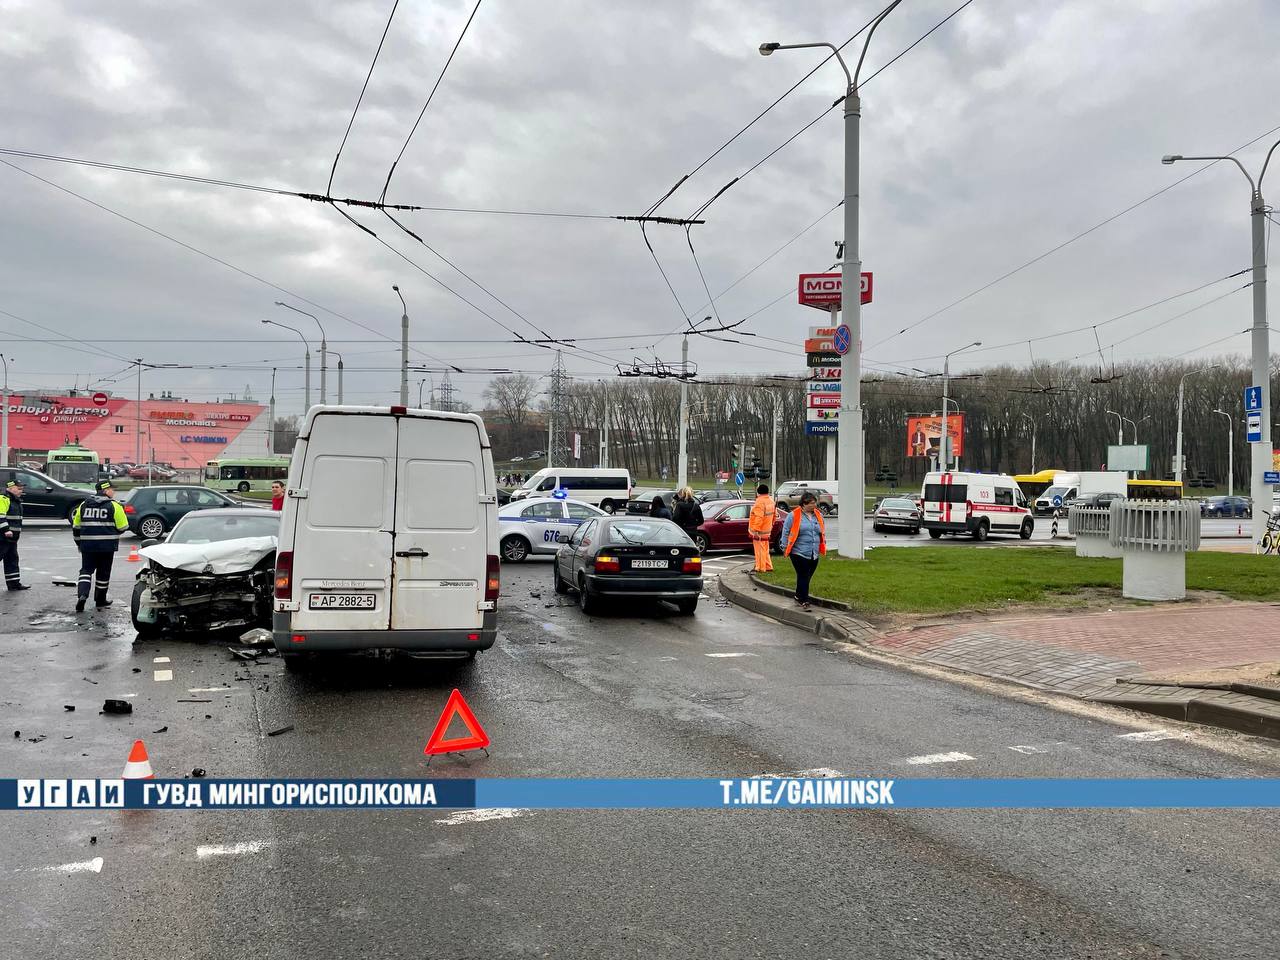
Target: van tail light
x: 492, y: 581
x: 399, y: 411
x: 129, y: 508
x: 607, y: 564
x: 284, y: 575
x: 691, y: 565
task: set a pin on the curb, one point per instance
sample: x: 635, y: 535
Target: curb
x: 1244, y: 708
x: 784, y: 592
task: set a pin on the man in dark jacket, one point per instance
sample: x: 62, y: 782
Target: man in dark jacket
x: 96, y: 525
x: 10, y: 531
x: 686, y: 512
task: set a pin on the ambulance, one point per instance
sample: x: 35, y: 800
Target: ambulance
x: 976, y: 504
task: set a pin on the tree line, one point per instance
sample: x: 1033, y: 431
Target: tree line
x: 1065, y: 406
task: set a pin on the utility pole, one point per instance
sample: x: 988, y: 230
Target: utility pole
x: 271, y: 424
x: 1027, y: 416
x: 682, y: 463
x: 446, y: 392
x: 557, y: 413
x: 324, y: 347
x: 1177, y: 457
x: 1231, y: 422
x: 137, y: 410
x: 604, y: 431
x: 339, y: 356
x: 773, y: 454
x: 404, y: 348
x: 4, y: 417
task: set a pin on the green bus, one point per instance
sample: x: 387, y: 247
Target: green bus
x: 243, y: 474
x: 73, y: 465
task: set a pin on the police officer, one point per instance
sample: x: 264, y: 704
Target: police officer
x: 10, y: 531
x: 96, y: 525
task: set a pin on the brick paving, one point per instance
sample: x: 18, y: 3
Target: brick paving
x: 1083, y: 654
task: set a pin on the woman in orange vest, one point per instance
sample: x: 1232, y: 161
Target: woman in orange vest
x: 760, y: 527
x: 805, y: 536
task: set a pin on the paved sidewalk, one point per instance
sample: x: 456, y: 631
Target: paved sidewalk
x: 1113, y: 657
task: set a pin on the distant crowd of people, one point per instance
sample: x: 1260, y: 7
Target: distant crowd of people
x: 514, y: 479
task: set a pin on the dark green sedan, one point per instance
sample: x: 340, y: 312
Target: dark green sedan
x: 152, y: 511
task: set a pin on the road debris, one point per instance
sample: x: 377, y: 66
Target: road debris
x: 164, y: 729
x: 195, y: 701
x: 69, y: 707
x: 257, y: 637
x: 279, y: 730
x: 198, y: 772
x: 117, y: 706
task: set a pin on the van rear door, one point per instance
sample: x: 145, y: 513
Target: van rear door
x: 441, y: 535
x: 343, y: 530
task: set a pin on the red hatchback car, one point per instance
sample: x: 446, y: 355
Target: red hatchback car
x: 725, y: 526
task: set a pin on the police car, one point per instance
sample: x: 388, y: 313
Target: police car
x: 539, y: 526
x: 977, y: 504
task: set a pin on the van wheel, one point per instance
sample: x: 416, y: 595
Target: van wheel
x: 557, y: 581
x: 608, y: 506
x: 935, y: 534
x: 1027, y: 527
x: 981, y: 530
x: 515, y: 549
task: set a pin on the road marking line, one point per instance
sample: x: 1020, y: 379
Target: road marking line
x: 235, y: 849
x: 1148, y: 736
x: 667, y: 659
x: 1029, y: 749
x: 162, y: 675
x: 206, y: 689
x: 953, y: 757
x: 160, y: 660
x: 722, y: 655
x: 482, y: 814
x: 84, y: 866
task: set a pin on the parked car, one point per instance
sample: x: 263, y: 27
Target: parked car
x: 215, y: 570
x: 712, y: 496
x: 527, y: 527
x: 504, y: 497
x: 725, y: 526
x: 1096, y: 500
x: 1226, y: 507
x: 44, y: 498
x: 788, y: 496
x: 622, y: 557
x: 897, y: 513
x: 153, y: 470
x: 152, y: 511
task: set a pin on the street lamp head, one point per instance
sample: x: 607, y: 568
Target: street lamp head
x: 266, y: 321
x: 395, y: 288
x: 281, y: 303
x: 1169, y: 158
x: 768, y: 48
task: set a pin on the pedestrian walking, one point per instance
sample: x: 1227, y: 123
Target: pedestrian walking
x: 10, y: 532
x: 96, y: 525
x: 760, y: 527
x: 659, y: 509
x: 686, y: 512
x: 805, y: 536
x: 277, y: 495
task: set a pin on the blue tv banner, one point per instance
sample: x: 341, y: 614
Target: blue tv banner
x: 636, y: 794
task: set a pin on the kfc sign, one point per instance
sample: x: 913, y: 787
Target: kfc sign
x: 823, y: 290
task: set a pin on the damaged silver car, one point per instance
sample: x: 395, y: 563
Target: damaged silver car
x: 215, y: 570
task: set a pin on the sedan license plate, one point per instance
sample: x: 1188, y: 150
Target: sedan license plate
x: 648, y: 564
x: 343, y: 601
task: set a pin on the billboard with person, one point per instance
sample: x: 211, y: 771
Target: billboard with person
x: 925, y: 432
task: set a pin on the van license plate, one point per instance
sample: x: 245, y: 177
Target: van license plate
x: 343, y: 601
x: 648, y: 564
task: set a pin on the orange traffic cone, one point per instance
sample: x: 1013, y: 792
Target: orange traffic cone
x: 133, y: 554
x: 138, y: 766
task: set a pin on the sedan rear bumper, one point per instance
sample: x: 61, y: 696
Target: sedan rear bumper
x: 660, y: 587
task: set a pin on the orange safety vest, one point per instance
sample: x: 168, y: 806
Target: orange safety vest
x: 762, y: 515
x: 795, y: 532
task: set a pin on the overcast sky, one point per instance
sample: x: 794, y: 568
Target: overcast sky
x: 1015, y: 126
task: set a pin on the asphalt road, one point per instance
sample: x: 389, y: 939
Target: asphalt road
x: 642, y: 692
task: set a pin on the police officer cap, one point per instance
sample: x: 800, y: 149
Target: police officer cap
x: 14, y: 482
x: 102, y: 485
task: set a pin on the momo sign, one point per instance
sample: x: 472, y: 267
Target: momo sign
x: 824, y: 290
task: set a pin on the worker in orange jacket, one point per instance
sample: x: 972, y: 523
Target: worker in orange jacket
x: 760, y: 527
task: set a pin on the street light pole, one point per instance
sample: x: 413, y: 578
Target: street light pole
x: 682, y: 466
x: 404, y: 348
x: 944, y: 442
x: 271, y: 425
x: 324, y: 347
x: 1120, y: 427
x: 850, y: 441
x: 339, y: 356
x: 1231, y: 487
x: 306, y: 393
x: 1260, y: 454
x: 4, y: 416
x: 1177, y: 456
x: 1027, y: 416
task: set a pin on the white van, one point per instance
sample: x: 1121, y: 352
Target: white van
x: 978, y: 504
x: 388, y: 538
x: 608, y: 488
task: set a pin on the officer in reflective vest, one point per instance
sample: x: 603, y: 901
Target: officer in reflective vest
x: 96, y: 525
x: 10, y: 532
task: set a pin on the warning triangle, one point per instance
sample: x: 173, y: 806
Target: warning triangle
x: 456, y: 707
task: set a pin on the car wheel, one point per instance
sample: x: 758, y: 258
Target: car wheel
x: 557, y: 581
x: 586, y: 602
x: 1027, y: 527
x: 687, y: 607
x: 824, y: 509
x: 915, y: 531
x: 703, y: 542
x: 609, y: 507
x: 875, y: 527
x: 151, y: 528
x: 143, y: 628
x: 935, y: 534
x: 242, y: 487
x: 981, y: 530
x: 515, y: 549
